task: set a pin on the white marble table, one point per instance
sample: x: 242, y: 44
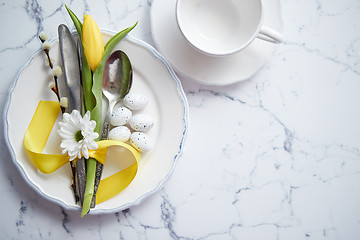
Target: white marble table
x: 273, y: 157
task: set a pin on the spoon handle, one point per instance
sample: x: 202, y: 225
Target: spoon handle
x: 99, y: 166
x: 105, y: 129
x: 106, y: 124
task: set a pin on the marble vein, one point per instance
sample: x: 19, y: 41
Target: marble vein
x: 319, y: 53
x: 273, y: 178
x: 168, y: 215
x: 20, y: 221
x: 65, y: 221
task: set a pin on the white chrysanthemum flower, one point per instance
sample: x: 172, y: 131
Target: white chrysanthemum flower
x: 77, y: 134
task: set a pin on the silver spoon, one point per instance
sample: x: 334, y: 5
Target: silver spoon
x: 117, y: 81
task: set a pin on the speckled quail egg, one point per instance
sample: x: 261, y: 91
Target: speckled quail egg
x: 135, y: 101
x: 141, y: 122
x: 120, y: 116
x: 140, y: 141
x: 120, y: 133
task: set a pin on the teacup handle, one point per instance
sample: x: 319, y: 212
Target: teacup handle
x: 270, y: 35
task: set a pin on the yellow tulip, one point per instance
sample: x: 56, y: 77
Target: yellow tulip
x: 92, y: 42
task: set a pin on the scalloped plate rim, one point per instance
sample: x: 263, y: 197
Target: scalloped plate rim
x: 177, y: 156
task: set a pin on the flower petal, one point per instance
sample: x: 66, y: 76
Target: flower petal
x: 71, y: 124
x: 92, y: 42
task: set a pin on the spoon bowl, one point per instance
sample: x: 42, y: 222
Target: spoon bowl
x: 117, y: 77
x: 117, y: 81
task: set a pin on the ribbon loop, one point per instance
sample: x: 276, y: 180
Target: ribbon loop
x: 38, y: 133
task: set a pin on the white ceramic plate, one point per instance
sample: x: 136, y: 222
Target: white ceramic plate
x: 168, y: 106
x: 203, y: 68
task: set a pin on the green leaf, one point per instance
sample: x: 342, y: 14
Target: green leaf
x: 115, y: 39
x: 92, y: 91
x: 76, y: 21
x: 89, y: 99
x: 87, y: 83
x: 96, y: 114
x: 126, y: 75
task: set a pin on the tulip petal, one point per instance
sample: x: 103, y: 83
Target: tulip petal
x: 92, y: 42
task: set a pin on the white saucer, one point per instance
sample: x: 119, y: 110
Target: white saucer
x: 203, y: 68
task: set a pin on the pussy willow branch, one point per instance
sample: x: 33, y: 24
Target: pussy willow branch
x: 55, y: 88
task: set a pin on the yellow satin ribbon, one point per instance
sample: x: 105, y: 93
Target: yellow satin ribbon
x: 38, y: 133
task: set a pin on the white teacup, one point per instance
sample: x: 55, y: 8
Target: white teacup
x: 223, y: 27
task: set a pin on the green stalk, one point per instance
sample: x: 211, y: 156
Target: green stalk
x: 88, y: 104
x: 89, y: 189
x: 96, y: 114
x: 92, y: 89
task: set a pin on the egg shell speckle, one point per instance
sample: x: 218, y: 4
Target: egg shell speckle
x: 141, y: 122
x: 135, y: 101
x: 140, y: 141
x: 120, y: 133
x: 120, y: 116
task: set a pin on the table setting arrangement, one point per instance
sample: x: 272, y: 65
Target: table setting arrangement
x: 81, y: 89
x: 180, y: 119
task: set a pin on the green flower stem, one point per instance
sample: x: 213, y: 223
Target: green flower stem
x: 96, y: 114
x: 89, y: 189
x: 87, y: 82
x: 92, y: 92
x: 88, y: 104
